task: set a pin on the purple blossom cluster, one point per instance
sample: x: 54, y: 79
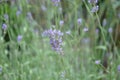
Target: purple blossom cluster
x: 95, y: 7
x: 61, y: 23
x: 19, y: 38
x: 55, y: 2
x: 118, y: 68
x: 79, y: 21
x: 97, y: 62
x: 18, y: 13
x: 93, y: 1
x: 55, y: 37
x: 4, y: 26
x: 6, y: 16
x: 110, y: 30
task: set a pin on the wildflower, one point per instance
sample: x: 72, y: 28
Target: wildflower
x: 79, y: 21
x: 61, y: 23
x: 97, y: 62
x: 18, y: 12
x: 4, y: 26
x: 118, y: 68
x: 29, y: 15
x: 63, y: 74
x: 85, y: 29
x: 55, y: 2
x: 95, y: 9
x: 93, y: 1
x: 110, y: 30
x: 97, y: 31
x: 55, y: 37
x: 19, y: 38
x: 6, y: 16
x: 104, y: 22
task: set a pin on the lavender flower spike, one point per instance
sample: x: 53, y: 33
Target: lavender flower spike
x: 110, y: 30
x: 79, y: 21
x: 6, y: 16
x: 4, y: 26
x: 93, y: 1
x: 61, y: 23
x: 95, y: 9
x: 118, y: 68
x: 19, y: 38
x: 55, y: 2
x: 55, y: 37
x: 97, y: 62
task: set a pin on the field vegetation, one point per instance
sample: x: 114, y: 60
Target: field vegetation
x: 59, y: 40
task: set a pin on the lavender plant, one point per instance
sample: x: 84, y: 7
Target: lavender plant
x: 4, y: 26
x: 19, y: 38
x: 56, y: 2
x: 55, y: 37
x: 76, y: 21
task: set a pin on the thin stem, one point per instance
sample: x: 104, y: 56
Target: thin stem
x: 101, y: 28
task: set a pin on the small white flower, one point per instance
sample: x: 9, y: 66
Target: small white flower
x: 85, y: 29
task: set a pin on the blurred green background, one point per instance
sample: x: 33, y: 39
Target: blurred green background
x: 90, y: 40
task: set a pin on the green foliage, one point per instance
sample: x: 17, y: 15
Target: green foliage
x: 33, y: 59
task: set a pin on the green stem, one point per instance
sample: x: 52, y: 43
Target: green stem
x: 101, y: 28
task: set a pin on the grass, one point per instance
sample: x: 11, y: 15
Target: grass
x: 35, y: 59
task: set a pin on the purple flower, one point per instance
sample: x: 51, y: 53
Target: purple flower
x: 55, y: 2
x: 93, y: 1
x: 6, y: 16
x: 118, y: 68
x: 55, y: 37
x: 29, y: 16
x: 104, y: 22
x: 95, y: 9
x: 97, y: 31
x: 19, y: 38
x: 61, y: 23
x: 110, y: 30
x: 79, y: 21
x: 63, y: 74
x: 18, y: 12
x: 97, y: 62
x: 4, y: 26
